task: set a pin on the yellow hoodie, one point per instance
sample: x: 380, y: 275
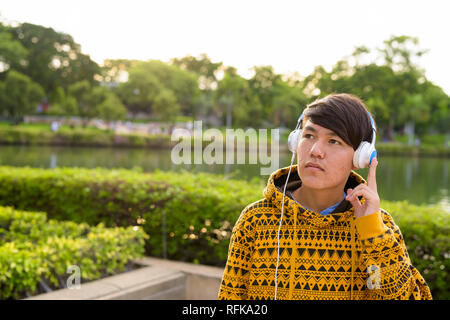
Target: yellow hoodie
x: 334, y: 256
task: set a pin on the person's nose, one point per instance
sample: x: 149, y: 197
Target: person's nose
x: 317, y: 150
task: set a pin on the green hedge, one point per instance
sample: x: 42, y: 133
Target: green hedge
x: 66, y: 136
x: 405, y: 150
x: 194, y: 218
x: 432, y: 139
x: 426, y: 231
x: 200, y: 211
x: 35, y: 252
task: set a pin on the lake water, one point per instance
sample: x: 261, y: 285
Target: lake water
x: 418, y: 180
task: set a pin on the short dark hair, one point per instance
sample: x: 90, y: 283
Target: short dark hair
x: 343, y: 113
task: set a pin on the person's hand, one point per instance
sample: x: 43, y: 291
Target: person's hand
x: 369, y: 193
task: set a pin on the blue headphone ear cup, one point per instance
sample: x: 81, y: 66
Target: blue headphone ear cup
x: 294, y: 139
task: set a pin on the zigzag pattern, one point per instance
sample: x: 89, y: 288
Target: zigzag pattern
x: 315, y: 253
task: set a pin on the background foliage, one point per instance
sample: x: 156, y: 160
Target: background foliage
x: 35, y: 252
x: 197, y: 212
x: 50, y: 67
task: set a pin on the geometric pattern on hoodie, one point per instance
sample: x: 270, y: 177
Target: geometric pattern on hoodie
x: 321, y: 257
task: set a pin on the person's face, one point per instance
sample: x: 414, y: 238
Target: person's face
x: 323, y: 147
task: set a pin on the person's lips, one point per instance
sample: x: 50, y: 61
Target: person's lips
x: 313, y: 165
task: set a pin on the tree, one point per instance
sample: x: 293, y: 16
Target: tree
x: 53, y: 58
x: 182, y: 83
x: 115, y: 71
x: 203, y: 67
x: 414, y: 110
x: 399, y: 53
x: 19, y: 95
x: 62, y: 103
x: 387, y: 88
x: 358, y: 55
x: 12, y: 53
x: 82, y: 92
x: 263, y: 83
x: 208, y: 79
x: 111, y: 108
x: 140, y: 91
x: 166, y: 107
x: 314, y: 84
x: 237, y: 101
x: 148, y: 79
x: 439, y: 104
x: 288, y: 103
x: 98, y: 101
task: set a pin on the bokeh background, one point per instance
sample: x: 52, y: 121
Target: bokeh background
x: 92, y: 91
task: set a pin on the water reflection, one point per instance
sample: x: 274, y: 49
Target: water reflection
x: 418, y: 180
x: 53, y: 160
x: 408, y: 175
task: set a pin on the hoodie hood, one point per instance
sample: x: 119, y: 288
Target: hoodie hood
x: 274, y: 193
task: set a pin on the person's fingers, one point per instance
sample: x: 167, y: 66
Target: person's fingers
x: 355, y: 203
x: 360, y: 190
x: 350, y: 191
x: 371, y: 177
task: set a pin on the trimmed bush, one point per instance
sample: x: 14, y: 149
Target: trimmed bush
x: 35, y: 253
x: 197, y: 211
x: 24, y: 135
x: 430, y: 140
x: 427, y: 236
x: 398, y: 149
x: 196, y: 221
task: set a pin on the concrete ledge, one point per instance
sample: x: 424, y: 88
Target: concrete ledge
x: 203, y: 282
x: 158, y: 279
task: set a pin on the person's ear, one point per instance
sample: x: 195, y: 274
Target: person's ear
x: 353, y: 166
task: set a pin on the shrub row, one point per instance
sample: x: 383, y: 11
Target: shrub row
x: 88, y: 137
x: 432, y: 139
x: 196, y: 211
x: 79, y: 137
x: 35, y: 253
x: 398, y: 149
x: 426, y: 231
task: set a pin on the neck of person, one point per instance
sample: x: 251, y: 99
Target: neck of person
x: 318, y: 199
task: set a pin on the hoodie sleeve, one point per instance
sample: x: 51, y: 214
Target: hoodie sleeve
x: 236, y: 274
x: 386, y: 259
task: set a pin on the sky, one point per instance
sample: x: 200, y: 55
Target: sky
x: 291, y: 36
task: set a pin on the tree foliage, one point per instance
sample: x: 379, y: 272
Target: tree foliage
x: 388, y: 79
x: 19, y: 95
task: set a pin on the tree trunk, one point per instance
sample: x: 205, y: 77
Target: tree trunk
x: 409, y: 129
x: 229, y: 115
x: 390, y: 130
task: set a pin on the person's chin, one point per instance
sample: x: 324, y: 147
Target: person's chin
x: 313, y: 181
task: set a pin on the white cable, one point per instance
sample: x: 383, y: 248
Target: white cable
x: 279, y: 228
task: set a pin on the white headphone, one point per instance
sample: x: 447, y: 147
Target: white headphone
x: 361, y: 159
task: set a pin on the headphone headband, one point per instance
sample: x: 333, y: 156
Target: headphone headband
x: 374, y: 128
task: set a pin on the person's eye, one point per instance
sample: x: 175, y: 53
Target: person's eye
x: 307, y: 135
x: 332, y: 141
